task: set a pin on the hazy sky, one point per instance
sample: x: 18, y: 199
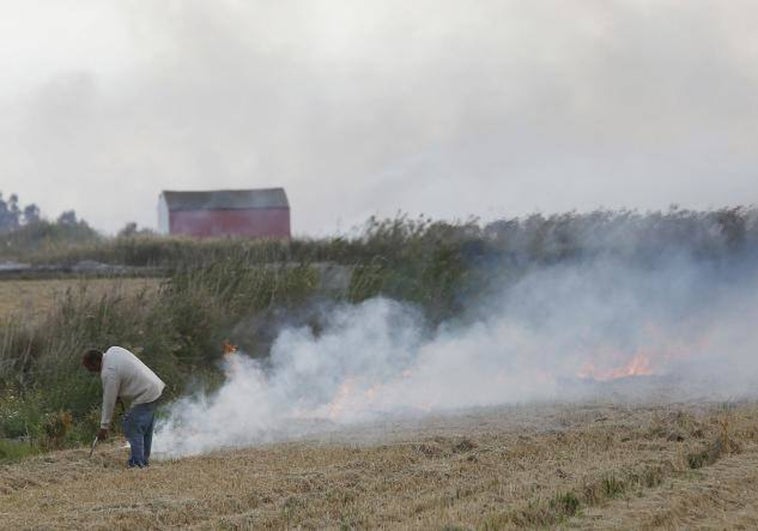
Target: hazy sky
x: 447, y: 108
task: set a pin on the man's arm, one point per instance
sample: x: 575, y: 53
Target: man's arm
x: 110, y: 394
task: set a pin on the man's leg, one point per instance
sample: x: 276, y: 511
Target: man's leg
x: 138, y: 427
x: 133, y: 434
x: 148, y: 438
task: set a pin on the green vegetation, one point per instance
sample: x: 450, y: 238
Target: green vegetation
x: 24, y: 231
x: 209, y: 287
x: 13, y: 450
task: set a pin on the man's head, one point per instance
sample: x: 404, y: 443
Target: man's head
x: 93, y: 360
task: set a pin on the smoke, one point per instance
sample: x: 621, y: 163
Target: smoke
x: 671, y: 328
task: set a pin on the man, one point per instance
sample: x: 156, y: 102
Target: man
x: 124, y: 376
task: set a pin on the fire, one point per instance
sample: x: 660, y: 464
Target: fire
x: 356, y: 396
x: 639, y: 365
x: 231, y: 359
x: 342, y: 399
x: 229, y: 347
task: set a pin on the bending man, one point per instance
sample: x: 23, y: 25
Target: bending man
x: 125, y: 376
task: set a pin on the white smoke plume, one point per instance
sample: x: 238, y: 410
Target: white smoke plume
x: 673, y: 328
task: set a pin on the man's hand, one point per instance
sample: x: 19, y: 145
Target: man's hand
x: 102, y: 434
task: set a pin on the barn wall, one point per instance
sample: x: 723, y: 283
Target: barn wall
x: 259, y: 223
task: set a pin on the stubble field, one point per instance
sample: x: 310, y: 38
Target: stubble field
x: 597, y: 465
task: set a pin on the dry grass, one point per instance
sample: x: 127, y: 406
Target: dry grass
x: 31, y: 299
x: 585, y: 466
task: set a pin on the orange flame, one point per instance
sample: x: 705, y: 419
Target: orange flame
x: 639, y: 365
x: 229, y: 347
x: 341, y: 399
x: 232, y: 361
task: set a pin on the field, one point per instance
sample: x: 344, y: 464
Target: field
x: 475, y: 319
x: 594, y: 465
x: 32, y: 298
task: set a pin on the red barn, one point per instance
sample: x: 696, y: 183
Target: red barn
x: 262, y: 213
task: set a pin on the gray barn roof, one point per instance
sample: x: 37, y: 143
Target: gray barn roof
x: 226, y: 199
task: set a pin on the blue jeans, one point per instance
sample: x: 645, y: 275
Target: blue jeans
x: 138, y: 429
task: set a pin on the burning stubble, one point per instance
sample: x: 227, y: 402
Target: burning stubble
x: 676, y: 328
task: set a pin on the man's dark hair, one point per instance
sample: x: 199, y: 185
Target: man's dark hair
x: 92, y: 357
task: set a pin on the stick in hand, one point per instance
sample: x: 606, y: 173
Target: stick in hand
x: 92, y: 449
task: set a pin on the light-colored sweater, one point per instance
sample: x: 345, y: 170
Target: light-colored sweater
x: 125, y: 376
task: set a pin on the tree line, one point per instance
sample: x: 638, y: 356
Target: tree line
x: 13, y: 216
